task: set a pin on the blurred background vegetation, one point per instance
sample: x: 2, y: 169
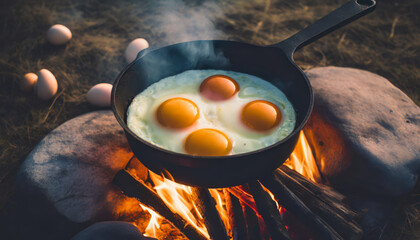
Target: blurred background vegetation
x: 386, y: 42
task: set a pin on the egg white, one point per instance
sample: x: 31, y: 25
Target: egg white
x: 221, y: 115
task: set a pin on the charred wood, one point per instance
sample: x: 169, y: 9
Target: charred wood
x: 245, y: 197
x: 323, y: 201
x: 137, y: 189
x: 236, y: 217
x: 295, y: 205
x: 207, y: 208
x: 267, y: 208
x: 336, y: 199
x: 252, y: 224
x: 317, y: 188
x: 251, y: 213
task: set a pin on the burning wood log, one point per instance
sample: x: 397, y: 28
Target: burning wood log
x: 137, y: 189
x: 250, y: 212
x: 319, y: 190
x: 207, y: 208
x: 323, y: 201
x: 294, y: 204
x: 252, y: 224
x: 244, y: 196
x: 268, y: 210
x: 236, y: 217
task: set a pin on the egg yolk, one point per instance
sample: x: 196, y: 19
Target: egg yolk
x: 207, y: 142
x: 219, y: 87
x: 261, y: 115
x: 177, y: 113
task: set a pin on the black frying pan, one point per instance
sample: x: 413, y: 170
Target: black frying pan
x: 273, y: 63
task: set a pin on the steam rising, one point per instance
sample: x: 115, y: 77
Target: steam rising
x: 177, y: 21
x: 181, y: 22
x: 178, y: 58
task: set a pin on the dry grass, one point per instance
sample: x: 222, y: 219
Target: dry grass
x: 406, y: 224
x: 385, y: 42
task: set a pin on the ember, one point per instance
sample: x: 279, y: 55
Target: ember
x: 235, y: 212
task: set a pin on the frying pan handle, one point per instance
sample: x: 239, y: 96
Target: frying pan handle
x: 347, y: 13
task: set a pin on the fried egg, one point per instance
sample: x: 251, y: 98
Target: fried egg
x: 211, y: 113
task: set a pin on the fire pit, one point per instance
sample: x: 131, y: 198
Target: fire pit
x: 72, y: 178
x: 362, y: 135
x: 324, y: 214
x: 201, y: 213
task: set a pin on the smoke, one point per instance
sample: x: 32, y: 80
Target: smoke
x: 180, y: 21
x: 177, y: 21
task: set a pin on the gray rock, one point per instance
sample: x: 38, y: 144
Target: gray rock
x: 111, y: 231
x: 73, y: 166
x: 364, y: 131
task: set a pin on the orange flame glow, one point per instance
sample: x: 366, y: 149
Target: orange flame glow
x: 154, y: 222
x: 179, y: 198
x: 302, y: 160
x: 221, y: 207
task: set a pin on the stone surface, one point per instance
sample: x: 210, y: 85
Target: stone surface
x: 64, y: 184
x: 74, y: 164
x: 111, y: 230
x: 364, y: 131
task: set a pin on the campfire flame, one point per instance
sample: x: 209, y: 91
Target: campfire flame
x: 178, y: 197
x: 302, y: 160
x: 154, y: 222
x: 221, y: 206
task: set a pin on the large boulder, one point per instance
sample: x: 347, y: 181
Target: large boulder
x: 74, y: 165
x: 65, y: 184
x: 364, y: 131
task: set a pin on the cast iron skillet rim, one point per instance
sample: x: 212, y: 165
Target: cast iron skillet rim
x: 127, y: 130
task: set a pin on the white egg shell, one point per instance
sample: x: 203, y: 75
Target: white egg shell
x: 134, y: 48
x: 28, y: 81
x: 46, y: 86
x: 100, y: 95
x: 58, y: 34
